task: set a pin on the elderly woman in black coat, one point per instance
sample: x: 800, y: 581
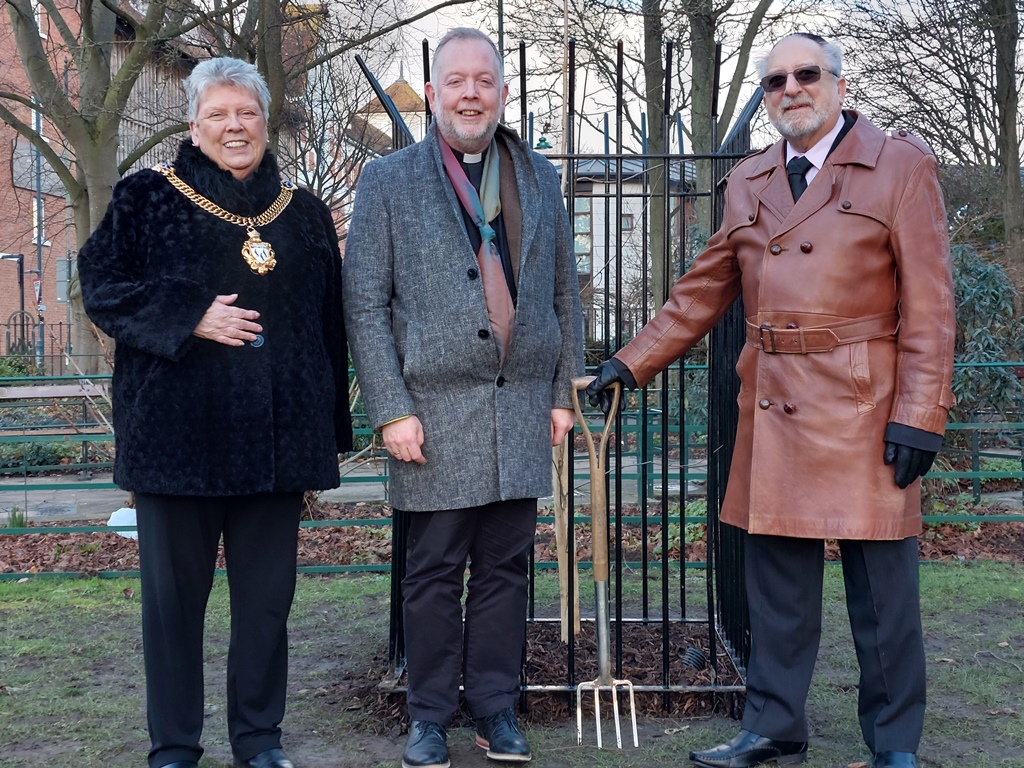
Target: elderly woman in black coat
x: 221, y: 286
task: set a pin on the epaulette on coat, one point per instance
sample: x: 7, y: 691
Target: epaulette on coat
x: 902, y: 134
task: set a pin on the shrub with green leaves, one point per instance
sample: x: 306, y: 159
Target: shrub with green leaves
x: 989, y: 330
x: 17, y: 455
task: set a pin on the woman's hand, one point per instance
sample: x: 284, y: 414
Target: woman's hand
x: 227, y: 324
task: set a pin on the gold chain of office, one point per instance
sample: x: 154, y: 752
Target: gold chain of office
x: 257, y: 252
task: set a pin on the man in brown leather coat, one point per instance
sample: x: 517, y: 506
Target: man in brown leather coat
x: 845, y: 387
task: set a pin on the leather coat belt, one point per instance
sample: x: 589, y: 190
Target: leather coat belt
x: 802, y: 341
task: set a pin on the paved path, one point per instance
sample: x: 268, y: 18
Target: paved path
x: 89, y: 500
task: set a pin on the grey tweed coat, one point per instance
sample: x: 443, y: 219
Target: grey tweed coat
x: 414, y: 312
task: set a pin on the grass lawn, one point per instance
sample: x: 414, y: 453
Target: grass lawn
x: 72, y: 689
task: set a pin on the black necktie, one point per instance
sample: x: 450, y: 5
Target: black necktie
x: 795, y: 169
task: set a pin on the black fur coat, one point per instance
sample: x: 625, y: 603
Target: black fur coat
x: 192, y: 416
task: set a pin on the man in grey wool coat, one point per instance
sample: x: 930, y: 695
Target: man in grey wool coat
x: 464, y: 321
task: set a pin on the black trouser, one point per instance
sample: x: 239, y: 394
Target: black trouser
x: 784, y: 587
x: 178, y: 538
x: 487, y: 649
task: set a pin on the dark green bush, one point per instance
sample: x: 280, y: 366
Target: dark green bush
x: 989, y: 330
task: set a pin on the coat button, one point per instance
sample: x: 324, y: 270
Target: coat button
x: 806, y: 247
x: 500, y: 381
x: 258, y: 341
x: 483, y: 333
x: 847, y: 205
x: 472, y: 274
x: 775, y: 250
x: 765, y: 404
x: 750, y: 217
x: 791, y: 326
x: 902, y: 132
x: 789, y: 408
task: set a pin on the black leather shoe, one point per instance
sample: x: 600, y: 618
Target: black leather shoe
x: 748, y: 749
x: 895, y: 760
x: 183, y: 764
x: 427, y: 746
x: 272, y: 758
x: 499, y: 734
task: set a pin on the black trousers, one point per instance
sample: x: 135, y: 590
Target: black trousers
x: 487, y: 648
x: 178, y: 539
x: 784, y: 588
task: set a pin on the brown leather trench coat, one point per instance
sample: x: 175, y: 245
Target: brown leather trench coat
x: 850, y: 326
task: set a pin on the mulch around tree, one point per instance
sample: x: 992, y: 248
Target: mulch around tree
x: 93, y: 553
x: 547, y: 657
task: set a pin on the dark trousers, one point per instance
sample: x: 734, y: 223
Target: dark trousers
x: 784, y: 587
x: 178, y: 538
x: 487, y: 648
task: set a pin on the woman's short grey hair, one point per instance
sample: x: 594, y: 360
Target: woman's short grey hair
x: 832, y: 52
x: 225, y: 71
x: 466, y: 33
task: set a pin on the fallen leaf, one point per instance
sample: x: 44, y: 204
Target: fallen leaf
x: 1003, y: 711
x: 1004, y: 644
x: 860, y: 764
x: 128, y: 593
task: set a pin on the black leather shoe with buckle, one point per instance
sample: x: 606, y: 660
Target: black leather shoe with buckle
x: 749, y: 749
x: 272, y: 758
x: 499, y: 734
x: 427, y: 746
x: 894, y: 760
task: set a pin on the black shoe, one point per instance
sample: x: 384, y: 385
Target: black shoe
x: 895, y: 760
x: 427, y: 746
x: 183, y: 764
x: 272, y: 758
x: 499, y: 734
x: 748, y: 749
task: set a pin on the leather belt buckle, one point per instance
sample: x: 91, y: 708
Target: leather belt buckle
x: 771, y: 338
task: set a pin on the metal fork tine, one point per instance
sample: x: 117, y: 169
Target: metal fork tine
x: 632, y: 712
x: 615, y: 709
x: 579, y: 714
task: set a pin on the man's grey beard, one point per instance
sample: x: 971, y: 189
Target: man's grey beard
x: 798, y: 126
x: 448, y: 129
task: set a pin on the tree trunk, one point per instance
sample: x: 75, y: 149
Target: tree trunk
x: 1004, y: 21
x: 654, y: 82
x: 92, y: 350
x: 702, y: 65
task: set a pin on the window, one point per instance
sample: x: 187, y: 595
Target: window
x: 63, y: 278
x: 627, y: 222
x: 582, y: 226
x: 39, y: 222
x: 37, y: 12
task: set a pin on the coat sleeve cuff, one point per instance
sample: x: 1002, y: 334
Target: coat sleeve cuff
x: 624, y: 373
x: 912, y: 437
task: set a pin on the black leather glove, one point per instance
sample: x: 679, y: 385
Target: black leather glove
x: 597, y: 391
x: 911, y: 463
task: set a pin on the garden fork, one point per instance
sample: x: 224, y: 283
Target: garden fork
x: 599, y: 538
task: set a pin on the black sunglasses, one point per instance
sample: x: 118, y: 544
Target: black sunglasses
x: 776, y: 81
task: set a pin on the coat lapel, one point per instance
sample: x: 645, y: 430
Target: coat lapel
x: 774, y: 192
x: 450, y: 216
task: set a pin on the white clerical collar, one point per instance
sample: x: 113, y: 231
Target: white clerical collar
x: 469, y: 159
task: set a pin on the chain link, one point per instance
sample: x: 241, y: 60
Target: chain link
x: 209, y: 206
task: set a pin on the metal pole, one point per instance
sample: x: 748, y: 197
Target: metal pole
x: 39, y: 239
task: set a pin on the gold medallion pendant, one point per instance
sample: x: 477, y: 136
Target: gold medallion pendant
x: 257, y: 253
